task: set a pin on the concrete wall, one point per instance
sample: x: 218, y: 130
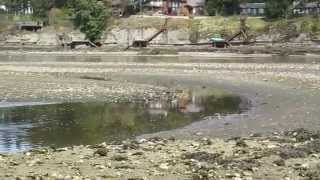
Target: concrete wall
x: 127, y: 36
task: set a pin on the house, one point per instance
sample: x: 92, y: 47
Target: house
x: 195, y: 7
x: 154, y: 7
x: 307, y: 8
x: 253, y: 9
x: 175, y: 7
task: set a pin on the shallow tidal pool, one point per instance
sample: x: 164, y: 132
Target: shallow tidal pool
x: 67, y: 124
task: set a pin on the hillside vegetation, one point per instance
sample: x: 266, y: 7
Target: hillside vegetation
x: 208, y: 26
x: 203, y: 27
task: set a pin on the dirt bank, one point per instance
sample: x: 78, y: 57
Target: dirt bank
x: 292, y: 155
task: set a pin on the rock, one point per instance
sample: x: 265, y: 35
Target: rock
x: 124, y: 166
x: 198, y: 133
x: 155, y: 139
x: 130, y: 145
x: 101, y: 152
x: 271, y: 146
x: 13, y: 163
x: 289, y: 153
x: 141, y: 141
x: 279, y: 162
x: 302, y: 135
x: 246, y: 173
x: 241, y: 143
x: 164, y: 166
x: 202, y: 156
x: 100, y: 167
x: 102, y: 145
x: 233, y: 176
x: 201, y: 175
x: 34, y: 162
x: 195, y: 145
x: 67, y: 177
x: 206, y: 141
x: 119, y: 157
x: 135, y: 178
x: 139, y: 153
x: 61, y: 149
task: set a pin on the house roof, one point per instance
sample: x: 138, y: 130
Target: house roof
x: 253, y: 5
x: 308, y: 5
x: 195, y: 3
x: 312, y: 5
x: 115, y: 2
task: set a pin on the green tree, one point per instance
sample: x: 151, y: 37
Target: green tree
x: 213, y: 7
x: 222, y: 7
x: 278, y: 8
x: 91, y: 17
x: 40, y: 8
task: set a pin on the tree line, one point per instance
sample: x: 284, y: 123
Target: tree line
x: 92, y: 16
x: 89, y: 16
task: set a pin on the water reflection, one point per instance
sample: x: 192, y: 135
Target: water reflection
x: 68, y: 124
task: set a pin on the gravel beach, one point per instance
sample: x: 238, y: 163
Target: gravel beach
x: 283, y: 90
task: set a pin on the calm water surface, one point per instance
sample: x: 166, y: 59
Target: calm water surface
x: 58, y: 125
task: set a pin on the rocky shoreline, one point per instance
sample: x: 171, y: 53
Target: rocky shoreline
x: 289, y: 155
x: 282, y: 49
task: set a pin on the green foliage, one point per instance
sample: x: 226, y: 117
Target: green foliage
x: 278, y: 8
x: 40, y: 8
x: 222, y: 7
x: 310, y: 25
x: 213, y: 7
x: 91, y: 17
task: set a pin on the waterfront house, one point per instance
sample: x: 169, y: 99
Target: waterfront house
x: 310, y: 8
x: 176, y: 7
x: 253, y: 9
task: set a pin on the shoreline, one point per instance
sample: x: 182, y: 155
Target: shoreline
x: 283, y: 49
x: 217, y: 55
x: 291, y: 154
